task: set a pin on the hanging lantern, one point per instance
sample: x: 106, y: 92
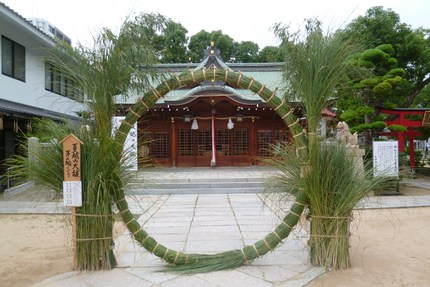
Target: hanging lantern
x: 194, y: 125
x: 230, y: 124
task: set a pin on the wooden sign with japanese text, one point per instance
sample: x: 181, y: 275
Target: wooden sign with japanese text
x: 72, y: 188
x: 72, y: 184
x: 72, y: 158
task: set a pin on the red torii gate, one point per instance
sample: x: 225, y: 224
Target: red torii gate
x: 410, y: 124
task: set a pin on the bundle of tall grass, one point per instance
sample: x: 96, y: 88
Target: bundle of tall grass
x: 332, y: 186
x: 117, y: 64
x: 101, y: 179
x: 317, y: 69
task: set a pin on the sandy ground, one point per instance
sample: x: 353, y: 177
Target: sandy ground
x: 389, y: 247
x: 36, y: 247
x: 33, y: 247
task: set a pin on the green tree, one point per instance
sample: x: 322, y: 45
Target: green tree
x: 411, y: 49
x: 376, y: 84
x: 246, y: 52
x: 225, y: 43
x: 197, y: 45
x: 200, y: 41
x: 153, y: 25
x: 269, y: 54
x: 174, y: 44
x: 167, y: 38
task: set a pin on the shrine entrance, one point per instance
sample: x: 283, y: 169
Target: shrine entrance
x: 211, y: 131
x: 231, y: 146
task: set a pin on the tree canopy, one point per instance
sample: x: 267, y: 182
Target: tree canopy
x: 393, y: 70
x: 382, y: 33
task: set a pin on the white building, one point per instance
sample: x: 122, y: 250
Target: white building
x: 49, y: 29
x: 29, y: 87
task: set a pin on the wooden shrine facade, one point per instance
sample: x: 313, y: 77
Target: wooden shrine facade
x: 212, y: 123
x: 210, y: 130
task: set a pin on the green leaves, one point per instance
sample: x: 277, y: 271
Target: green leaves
x: 397, y: 62
x: 316, y: 66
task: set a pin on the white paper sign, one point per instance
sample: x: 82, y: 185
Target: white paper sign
x: 130, y: 144
x: 72, y: 193
x: 386, y: 158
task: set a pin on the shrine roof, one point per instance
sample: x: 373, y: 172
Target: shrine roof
x: 269, y: 74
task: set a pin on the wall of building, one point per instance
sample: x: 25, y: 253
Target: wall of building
x: 32, y: 92
x: 29, y: 97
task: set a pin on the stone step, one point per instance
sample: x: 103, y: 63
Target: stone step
x: 169, y: 191
x: 145, y: 180
x: 195, y: 181
x: 195, y: 185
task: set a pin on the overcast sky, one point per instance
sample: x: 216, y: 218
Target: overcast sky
x: 241, y: 20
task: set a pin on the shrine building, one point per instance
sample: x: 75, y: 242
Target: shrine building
x: 211, y: 123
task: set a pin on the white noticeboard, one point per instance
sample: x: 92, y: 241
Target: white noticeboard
x: 72, y: 193
x: 386, y: 158
x: 130, y: 144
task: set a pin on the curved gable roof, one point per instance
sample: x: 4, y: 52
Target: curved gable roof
x: 269, y: 74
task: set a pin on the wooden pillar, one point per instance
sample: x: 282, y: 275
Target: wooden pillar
x: 411, y: 148
x: 213, y: 160
x: 173, y: 145
x: 252, y: 143
x: 401, y: 139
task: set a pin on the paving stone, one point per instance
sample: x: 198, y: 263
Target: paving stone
x: 234, y: 278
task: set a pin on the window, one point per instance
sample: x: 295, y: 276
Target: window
x: 223, y: 142
x: 281, y: 136
x: 240, y: 142
x: 57, y: 82
x: 191, y: 142
x: 264, y: 138
x: 161, y: 144
x: 185, y: 142
x: 155, y: 144
x: 12, y: 59
x: 204, y: 142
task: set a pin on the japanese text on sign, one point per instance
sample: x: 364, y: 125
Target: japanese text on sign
x: 72, y: 158
x: 385, y: 158
x: 71, y: 162
x: 130, y: 144
x: 72, y: 193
